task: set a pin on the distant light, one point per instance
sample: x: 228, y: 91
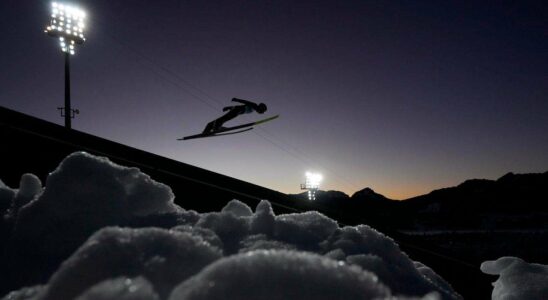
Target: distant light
x: 313, y: 180
x: 67, y: 21
x: 312, y: 184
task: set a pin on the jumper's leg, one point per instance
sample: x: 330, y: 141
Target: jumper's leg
x: 210, y: 127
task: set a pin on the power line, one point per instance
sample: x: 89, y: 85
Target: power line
x: 160, y: 75
x: 295, y: 152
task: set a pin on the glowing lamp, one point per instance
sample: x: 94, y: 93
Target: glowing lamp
x: 312, y: 184
x: 67, y: 25
x: 67, y: 22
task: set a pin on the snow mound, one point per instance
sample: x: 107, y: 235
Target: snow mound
x: 26, y: 293
x: 29, y: 187
x: 228, y: 227
x: 280, y: 275
x: 6, y: 196
x: 371, y: 250
x: 84, y: 194
x: 95, y: 184
x: 238, y: 209
x: 517, y: 279
x: 121, y: 288
x: 204, y: 233
x: 140, y: 245
x: 162, y: 256
x: 306, y: 230
x: 263, y: 242
x: 263, y: 221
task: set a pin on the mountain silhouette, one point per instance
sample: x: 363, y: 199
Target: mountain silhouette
x: 514, y: 201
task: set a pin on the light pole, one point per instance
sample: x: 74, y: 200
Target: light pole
x: 67, y: 24
x: 312, y: 184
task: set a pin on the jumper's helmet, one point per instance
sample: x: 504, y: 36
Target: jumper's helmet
x: 261, y: 108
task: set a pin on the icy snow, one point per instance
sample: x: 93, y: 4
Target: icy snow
x: 121, y: 288
x: 238, y: 209
x: 26, y: 293
x: 111, y: 232
x: 280, y: 275
x: 84, y: 194
x: 163, y: 257
x: 517, y: 279
x: 263, y: 220
x: 6, y: 197
x: 29, y: 187
x: 305, y: 230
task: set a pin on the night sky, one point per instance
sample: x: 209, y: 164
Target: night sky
x: 403, y: 97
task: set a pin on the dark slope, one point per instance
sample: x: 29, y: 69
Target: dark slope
x: 514, y: 201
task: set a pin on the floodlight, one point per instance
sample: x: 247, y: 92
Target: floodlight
x: 61, y: 23
x: 67, y: 25
x: 313, y: 179
x: 312, y: 184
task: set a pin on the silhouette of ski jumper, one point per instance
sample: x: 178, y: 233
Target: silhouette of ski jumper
x: 234, y: 111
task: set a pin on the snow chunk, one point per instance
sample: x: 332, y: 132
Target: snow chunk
x: 401, y: 282
x: 230, y: 228
x: 91, y: 182
x: 29, y: 187
x: 306, y: 230
x: 6, y: 197
x: 237, y: 208
x: 164, y: 257
x: 336, y: 254
x: 435, y: 279
x: 262, y: 242
x: 26, y: 293
x: 363, y: 239
x: 280, y: 275
x: 84, y: 194
x: 263, y: 221
x: 121, y: 288
x: 429, y: 296
x: 204, y: 233
x: 518, y: 279
x: 375, y: 252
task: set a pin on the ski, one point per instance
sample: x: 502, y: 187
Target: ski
x: 227, y: 129
x: 202, y: 135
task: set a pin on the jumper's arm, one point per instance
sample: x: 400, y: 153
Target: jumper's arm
x: 228, y: 108
x: 243, y: 101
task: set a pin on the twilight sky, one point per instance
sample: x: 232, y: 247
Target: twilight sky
x: 403, y: 97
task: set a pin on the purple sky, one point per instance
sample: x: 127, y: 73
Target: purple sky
x: 403, y: 97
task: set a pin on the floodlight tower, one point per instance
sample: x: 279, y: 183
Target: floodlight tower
x: 311, y: 184
x: 67, y: 24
